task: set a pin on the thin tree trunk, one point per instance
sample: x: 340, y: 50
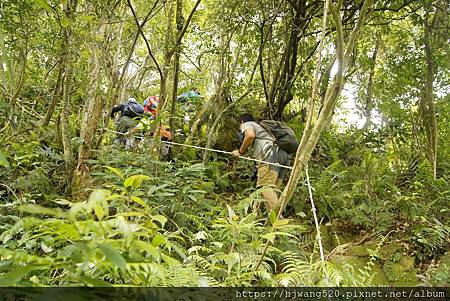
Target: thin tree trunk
x: 304, y: 151
x: 56, y: 95
x: 288, y: 74
x: 428, y: 105
x: 369, y: 92
x: 67, y: 85
x: 176, y: 64
x: 7, y: 78
x: 89, y: 121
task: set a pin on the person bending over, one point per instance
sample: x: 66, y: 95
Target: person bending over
x: 263, y: 148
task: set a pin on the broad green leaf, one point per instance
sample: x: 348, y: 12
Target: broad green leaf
x: 37, y: 209
x: 169, y: 260
x: 99, y: 211
x: 269, y: 236
x: 138, y: 200
x: 113, y: 256
x: 98, y: 196
x: 158, y: 240
x: 15, y: 276
x: 272, y: 216
x: 131, y: 213
x: 135, y: 181
x: 280, y: 223
x: 149, y: 248
x: 115, y: 171
x: 161, y: 219
x: 3, y: 161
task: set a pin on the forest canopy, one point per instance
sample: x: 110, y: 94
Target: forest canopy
x: 168, y: 199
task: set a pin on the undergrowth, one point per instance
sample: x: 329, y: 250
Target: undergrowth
x: 152, y: 223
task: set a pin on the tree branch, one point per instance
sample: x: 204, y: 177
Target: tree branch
x: 183, y: 31
x: 143, y: 36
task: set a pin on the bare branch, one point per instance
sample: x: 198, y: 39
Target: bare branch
x: 143, y: 35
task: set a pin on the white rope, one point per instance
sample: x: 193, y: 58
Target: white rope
x: 313, y: 209
x: 212, y: 150
x: 228, y: 153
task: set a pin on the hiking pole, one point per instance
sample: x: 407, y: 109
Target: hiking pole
x: 228, y: 153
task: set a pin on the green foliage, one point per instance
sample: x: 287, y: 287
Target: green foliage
x: 185, y: 223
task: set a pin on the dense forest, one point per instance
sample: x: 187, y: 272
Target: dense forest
x: 364, y: 85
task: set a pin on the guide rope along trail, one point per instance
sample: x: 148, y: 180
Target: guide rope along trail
x: 170, y: 143
x: 228, y: 153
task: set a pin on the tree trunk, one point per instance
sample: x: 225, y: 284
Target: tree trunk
x: 428, y: 106
x: 91, y: 114
x: 287, y: 77
x: 176, y: 63
x: 55, y: 97
x: 309, y: 143
x: 67, y: 85
x: 369, y: 91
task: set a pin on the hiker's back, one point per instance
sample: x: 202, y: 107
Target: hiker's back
x: 284, y: 136
x: 263, y: 140
x: 132, y: 109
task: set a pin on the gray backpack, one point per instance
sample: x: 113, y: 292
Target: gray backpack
x: 284, y: 135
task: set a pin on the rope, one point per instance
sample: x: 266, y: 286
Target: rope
x: 212, y: 150
x: 228, y: 153
x: 313, y: 209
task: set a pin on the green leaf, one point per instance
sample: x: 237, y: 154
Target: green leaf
x: 113, y: 256
x: 45, y: 5
x: 158, y: 240
x: 280, y: 223
x: 115, y: 171
x: 131, y: 213
x: 272, y: 216
x: 169, y: 260
x: 138, y: 200
x: 161, y: 219
x: 14, y: 276
x: 3, y: 161
x: 149, y: 248
x: 98, y: 196
x: 99, y: 212
x: 269, y: 236
x: 135, y: 181
x: 37, y: 209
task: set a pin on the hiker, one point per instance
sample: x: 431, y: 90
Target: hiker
x: 262, y: 143
x: 145, y: 126
x: 192, y: 94
x: 151, y: 106
x: 130, y: 113
x: 189, y: 100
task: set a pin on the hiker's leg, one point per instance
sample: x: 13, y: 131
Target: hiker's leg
x: 283, y: 159
x: 267, y: 178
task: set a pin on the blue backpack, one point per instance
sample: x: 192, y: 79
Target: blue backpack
x: 132, y: 109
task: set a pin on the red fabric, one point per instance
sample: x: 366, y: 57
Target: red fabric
x: 151, y: 105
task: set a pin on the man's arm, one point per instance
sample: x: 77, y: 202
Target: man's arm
x: 249, y: 137
x: 116, y: 109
